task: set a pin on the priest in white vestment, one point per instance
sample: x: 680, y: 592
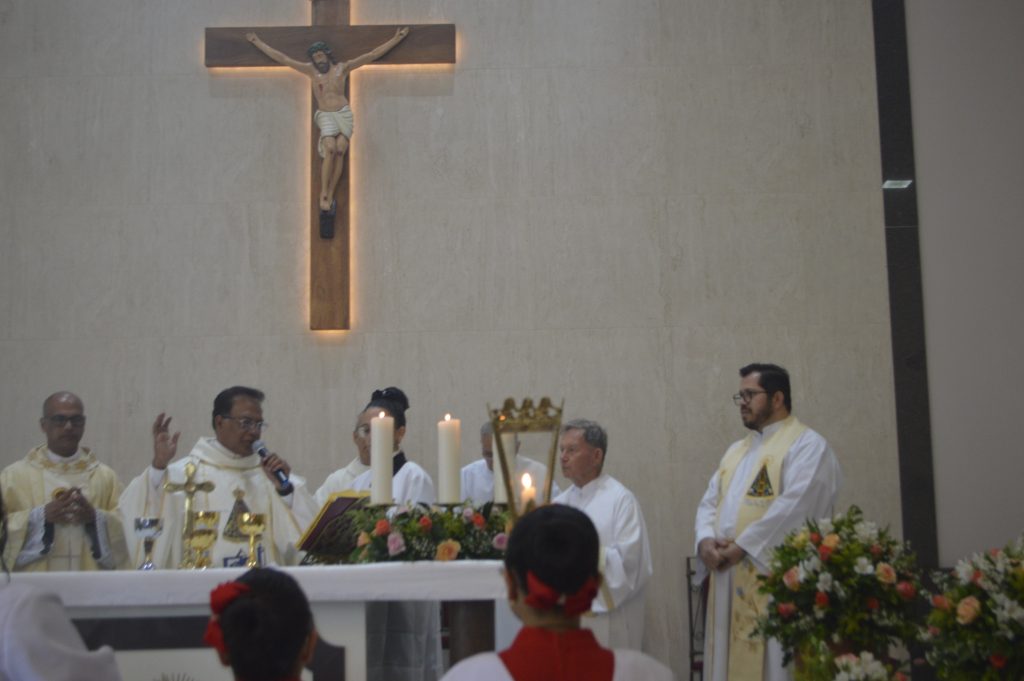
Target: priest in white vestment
x: 767, y: 485
x: 477, y: 478
x: 403, y: 638
x: 243, y: 482
x: 61, y: 502
x: 625, y: 549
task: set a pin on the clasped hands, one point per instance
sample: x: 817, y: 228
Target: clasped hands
x: 70, y: 507
x: 720, y: 554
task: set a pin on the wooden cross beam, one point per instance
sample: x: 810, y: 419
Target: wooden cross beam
x: 425, y: 44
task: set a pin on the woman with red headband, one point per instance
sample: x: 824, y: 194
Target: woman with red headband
x: 552, y: 577
x: 262, y: 626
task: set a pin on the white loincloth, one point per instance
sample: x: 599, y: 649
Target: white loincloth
x: 332, y: 124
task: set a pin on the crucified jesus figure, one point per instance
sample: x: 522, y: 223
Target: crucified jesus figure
x: 333, y: 116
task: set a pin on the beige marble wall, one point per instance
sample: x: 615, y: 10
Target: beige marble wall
x: 614, y: 203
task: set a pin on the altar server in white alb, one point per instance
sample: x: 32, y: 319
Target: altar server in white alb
x: 766, y: 485
x: 625, y: 551
x: 243, y: 482
x: 478, y: 477
x: 61, y: 501
x: 403, y: 638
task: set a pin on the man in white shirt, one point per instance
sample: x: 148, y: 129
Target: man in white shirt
x: 243, y: 482
x: 625, y: 550
x: 478, y: 477
x: 61, y: 502
x: 767, y: 484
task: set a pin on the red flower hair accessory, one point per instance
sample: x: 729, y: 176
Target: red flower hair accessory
x: 543, y: 597
x: 220, y: 598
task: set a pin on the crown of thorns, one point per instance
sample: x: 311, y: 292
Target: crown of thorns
x: 319, y: 46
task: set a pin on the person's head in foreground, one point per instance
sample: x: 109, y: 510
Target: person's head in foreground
x: 551, y: 567
x: 262, y: 626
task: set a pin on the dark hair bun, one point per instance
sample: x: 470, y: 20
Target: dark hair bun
x: 393, y: 395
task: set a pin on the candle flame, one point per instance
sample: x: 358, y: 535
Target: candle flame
x: 382, y: 415
x: 527, y: 481
x: 447, y: 417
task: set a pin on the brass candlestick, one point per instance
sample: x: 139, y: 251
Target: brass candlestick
x: 252, y: 525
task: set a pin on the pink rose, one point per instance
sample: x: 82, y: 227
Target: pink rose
x: 885, y: 573
x: 792, y: 578
x: 968, y: 610
x: 500, y: 541
x: 467, y: 514
x: 396, y: 543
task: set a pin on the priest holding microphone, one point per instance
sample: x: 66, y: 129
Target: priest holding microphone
x: 243, y: 480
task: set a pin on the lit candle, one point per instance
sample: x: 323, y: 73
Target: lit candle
x: 508, y: 441
x: 528, y: 495
x: 382, y: 451
x: 448, y: 460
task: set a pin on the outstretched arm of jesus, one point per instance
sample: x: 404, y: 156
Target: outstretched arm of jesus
x: 379, y: 51
x: 279, y: 56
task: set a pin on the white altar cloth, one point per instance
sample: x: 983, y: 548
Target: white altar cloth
x: 337, y: 594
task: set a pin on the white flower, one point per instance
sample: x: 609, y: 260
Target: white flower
x: 825, y: 526
x: 964, y: 571
x: 825, y: 581
x: 809, y: 566
x: 866, y: 531
x: 864, y: 566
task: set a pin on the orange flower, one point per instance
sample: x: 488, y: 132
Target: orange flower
x: 998, y: 661
x: 830, y: 540
x: 873, y: 603
x: 824, y: 553
x: 448, y: 550
x: 426, y: 523
x: 362, y: 540
x: 941, y: 602
x: 815, y: 538
x: 792, y: 578
x: 968, y: 610
x: 479, y: 521
x: 821, y: 599
x: 885, y: 573
x: 381, y: 528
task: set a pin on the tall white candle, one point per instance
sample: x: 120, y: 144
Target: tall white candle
x: 508, y: 442
x: 382, y: 451
x: 528, y: 493
x: 448, y: 432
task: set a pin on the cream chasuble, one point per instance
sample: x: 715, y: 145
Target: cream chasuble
x: 239, y: 485
x: 31, y: 483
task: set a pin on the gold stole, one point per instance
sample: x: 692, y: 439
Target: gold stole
x: 746, y: 654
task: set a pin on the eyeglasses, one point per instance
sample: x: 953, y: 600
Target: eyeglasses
x: 744, y: 396
x: 248, y: 424
x: 60, y: 420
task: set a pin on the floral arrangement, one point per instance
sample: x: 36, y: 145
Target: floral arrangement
x: 841, y: 585
x: 976, y: 625
x: 420, y: 532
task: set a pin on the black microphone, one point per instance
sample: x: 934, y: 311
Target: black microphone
x: 260, y: 447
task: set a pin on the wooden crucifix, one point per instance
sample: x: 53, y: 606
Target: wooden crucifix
x: 329, y: 246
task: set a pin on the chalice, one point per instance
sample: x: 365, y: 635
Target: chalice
x: 149, y: 529
x: 204, y: 536
x: 252, y: 525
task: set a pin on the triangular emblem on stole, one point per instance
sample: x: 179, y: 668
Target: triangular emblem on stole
x: 231, y: 531
x: 762, y: 486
